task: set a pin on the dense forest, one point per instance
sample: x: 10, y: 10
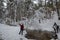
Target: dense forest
x: 16, y: 10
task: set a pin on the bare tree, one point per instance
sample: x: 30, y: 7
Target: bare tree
x: 57, y: 10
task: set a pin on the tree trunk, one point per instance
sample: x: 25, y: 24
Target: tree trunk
x: 57, y: 10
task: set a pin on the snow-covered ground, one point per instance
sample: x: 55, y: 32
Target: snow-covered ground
x: 11, y: 32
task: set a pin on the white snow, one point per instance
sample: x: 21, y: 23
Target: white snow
x: 11, y: 32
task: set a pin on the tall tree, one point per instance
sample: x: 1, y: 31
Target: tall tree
x: 57, y: 9
x: 2, y: 11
